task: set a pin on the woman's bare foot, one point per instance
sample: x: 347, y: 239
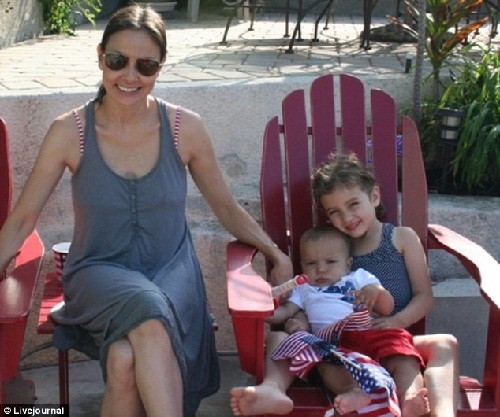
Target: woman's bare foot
x: 351, y: 400
x: 416, y: 405
x: 261, y: 399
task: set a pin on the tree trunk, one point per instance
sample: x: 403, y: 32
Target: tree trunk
x: 419, y: 58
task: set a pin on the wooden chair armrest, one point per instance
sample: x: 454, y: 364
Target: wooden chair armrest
x: 18, y: 288
x: 250, y: 302
x: 479, y: 263
x: 486, y: 272
x: 248, y: 293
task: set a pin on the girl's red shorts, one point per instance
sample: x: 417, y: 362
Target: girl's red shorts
x: 381, y: 343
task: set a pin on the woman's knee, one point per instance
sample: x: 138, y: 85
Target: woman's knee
x: 120, y: 364
x: 148, y: 329
x: 151, y: 334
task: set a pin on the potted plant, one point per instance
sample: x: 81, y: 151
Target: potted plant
x: 475, y: 90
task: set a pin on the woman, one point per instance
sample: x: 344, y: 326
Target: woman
x: 134, y: 291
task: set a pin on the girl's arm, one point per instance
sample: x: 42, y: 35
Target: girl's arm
x: 283, y: 313
x: 408, y: 243
x: 196, y: 150
x: 59, y: 149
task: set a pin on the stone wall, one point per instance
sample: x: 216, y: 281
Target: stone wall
x: 22, y: 21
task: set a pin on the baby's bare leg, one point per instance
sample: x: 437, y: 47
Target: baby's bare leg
x: 270, y: 396
x: 409, y: 383
x: 337, y: 379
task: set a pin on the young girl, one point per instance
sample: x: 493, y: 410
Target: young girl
x: 349, y: 196
x: 347, y: 192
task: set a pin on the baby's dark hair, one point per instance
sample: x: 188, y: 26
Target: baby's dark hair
x: 317, y: 232
x: 135, y: 17
x: 342, y: 171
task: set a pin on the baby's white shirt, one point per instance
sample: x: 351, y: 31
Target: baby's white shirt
x: 327, y: 305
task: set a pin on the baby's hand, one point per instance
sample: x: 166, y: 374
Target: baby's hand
x: 366, y: 296
x: 297, y: 323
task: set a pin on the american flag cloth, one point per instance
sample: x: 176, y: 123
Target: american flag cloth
x: 358, y: 320
x: 305, y: 350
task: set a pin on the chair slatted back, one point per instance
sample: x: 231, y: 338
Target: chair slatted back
x: 414, y: 204
x: 300, y: 213
x: 271, y: 185
x: 292, y: 150
x: 5, y: 173
x: 352, y: 116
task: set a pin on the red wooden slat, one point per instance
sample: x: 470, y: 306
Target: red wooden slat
x: 383, y: 111
x: 352, y: 100
x: 298, y: 172
x: 271, y: 187
x: 51, y: 295
x: 322, y: 118
x: 492, y: 360
x: 11, y: 342
x: 5, y: 173
x: 414, y: 184
x: 323, y: 125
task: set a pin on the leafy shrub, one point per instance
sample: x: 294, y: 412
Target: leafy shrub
x: 58, y: 15
x: 476, y: 90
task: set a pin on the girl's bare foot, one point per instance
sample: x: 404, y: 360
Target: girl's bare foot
x: 261, y: 399
x: 416, y: 405
x: 351, y: 400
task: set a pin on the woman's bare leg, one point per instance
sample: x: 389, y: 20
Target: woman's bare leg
x: 121, y: 396
x: 441, y: 374
x: 158, y: 375
x: 270, y: 396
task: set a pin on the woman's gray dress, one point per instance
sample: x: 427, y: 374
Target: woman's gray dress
x: 132, y: 259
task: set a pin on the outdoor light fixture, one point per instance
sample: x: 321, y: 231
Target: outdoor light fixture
x: 450, y: 123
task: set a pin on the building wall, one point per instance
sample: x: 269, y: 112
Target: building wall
x: 23, y: 21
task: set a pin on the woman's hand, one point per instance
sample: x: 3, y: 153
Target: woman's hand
x: 282, y: 269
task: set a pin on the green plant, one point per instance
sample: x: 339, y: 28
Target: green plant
x: 476, y: 90
x: 428, y: 127
x: 58, y: 15
x: 442, y: 31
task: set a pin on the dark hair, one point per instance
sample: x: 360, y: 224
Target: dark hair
x: 343, y: 171
x: 317, y: 232
x: 137, y: 18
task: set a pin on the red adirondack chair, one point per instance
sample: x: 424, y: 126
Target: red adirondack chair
x: 17, y: 288
x: 287, y: 211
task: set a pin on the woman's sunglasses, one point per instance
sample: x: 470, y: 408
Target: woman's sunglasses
x: 145, y: 66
